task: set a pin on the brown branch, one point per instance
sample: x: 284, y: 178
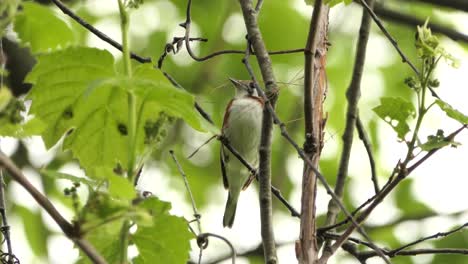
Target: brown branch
x: 68, y: 229
x: 274, y: 190
x: 402, y: 173
x: 352, y: 95
x: 367, y: 145
x: 461, y: 5
x: 389, y: 37
x: 256, y: 40
x: 299, y: 151
x: 437, y: 235
x: 423, y: 251
x: 315, y: 86
x: 97, y: 32
x: 406, y: 19
x: 187, y: 25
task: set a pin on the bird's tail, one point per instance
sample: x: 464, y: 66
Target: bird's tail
x: 230, y: 211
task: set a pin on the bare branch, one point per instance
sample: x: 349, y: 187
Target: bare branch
x: 255, y: 39
x: 437, y: 235
x: 370, y: 153
x: 402, y: 173
x: 189, y: 191
x: 315, y: 88
x: 274, y: 190
x: 406, y: 19
x: 97, y: 32
x: 387, y: 34
x: 69, y: 230
x: 461, y: 5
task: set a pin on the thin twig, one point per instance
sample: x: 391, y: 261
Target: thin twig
x: 251, y: 169
x: 389, y: 37
x: 202, y: 241
x: 301, y: 152
x: 200, y: 110
x: 353, y: 94
x: 422, y: 251
x: 370, y: 153
x: 68, y: 229
x: 201, y: 146
x: 460, y: 5
x: 403, y: 172
x: 189, y: 191
x: 437, y: 235
x: 97, y: 32
x: 5, y: 228
x: 412, y: 21
x: 255, y: 41
x: 258, y: 6
x: 433, y: 151
x: 187, y: 25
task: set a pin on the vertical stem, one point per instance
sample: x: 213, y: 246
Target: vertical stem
x: 314, y: 90
x: 132, y: 117
x: 264, y: 62
x: 352, y: 95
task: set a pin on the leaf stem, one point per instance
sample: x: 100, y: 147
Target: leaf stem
x: 132, y: 118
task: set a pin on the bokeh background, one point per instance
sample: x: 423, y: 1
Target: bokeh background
x: 433, y: 199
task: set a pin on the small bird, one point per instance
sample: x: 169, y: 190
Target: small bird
x: 241, y: 127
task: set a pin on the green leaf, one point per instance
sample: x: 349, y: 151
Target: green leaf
x: 5, y: 97
x: 437, y: 141
x: 77, y: 91
x: 39, y: 27
x: 53, y: 174
x: 59, y: 79
x: 395, y: 111
x: 167, y: 240
x: 35, y: 230
x: 32, y: 127
x: 119, y: 186
x: 452, y: 112
x: 100, y: 137
x: 106, y: 241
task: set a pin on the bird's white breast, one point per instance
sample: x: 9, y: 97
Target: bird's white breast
x: 244, y: 127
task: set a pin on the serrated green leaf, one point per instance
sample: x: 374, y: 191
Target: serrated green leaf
x: 106, y: 240
x: 174, y: 102
x: 78, y: 91
x: 34, y: 25
x: 167, y: 241
x: 395, y: 111
x: 437, y: 141
x: 59, y: 79
x: 60, y: 175
x: 100, y: 137
x: 32, y: 127
x: 119, y: 186
x: 452, y: 112
x: 35, y: 230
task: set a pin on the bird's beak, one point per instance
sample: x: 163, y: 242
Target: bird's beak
x: 235, y: 82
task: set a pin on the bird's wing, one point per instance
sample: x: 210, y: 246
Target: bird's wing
x: 223, y: 158
x: 248, y: 181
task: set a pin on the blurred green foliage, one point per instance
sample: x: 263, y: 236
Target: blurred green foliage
x: 283, y: 26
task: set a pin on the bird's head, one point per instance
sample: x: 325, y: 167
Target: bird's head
x: 244, y: 88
